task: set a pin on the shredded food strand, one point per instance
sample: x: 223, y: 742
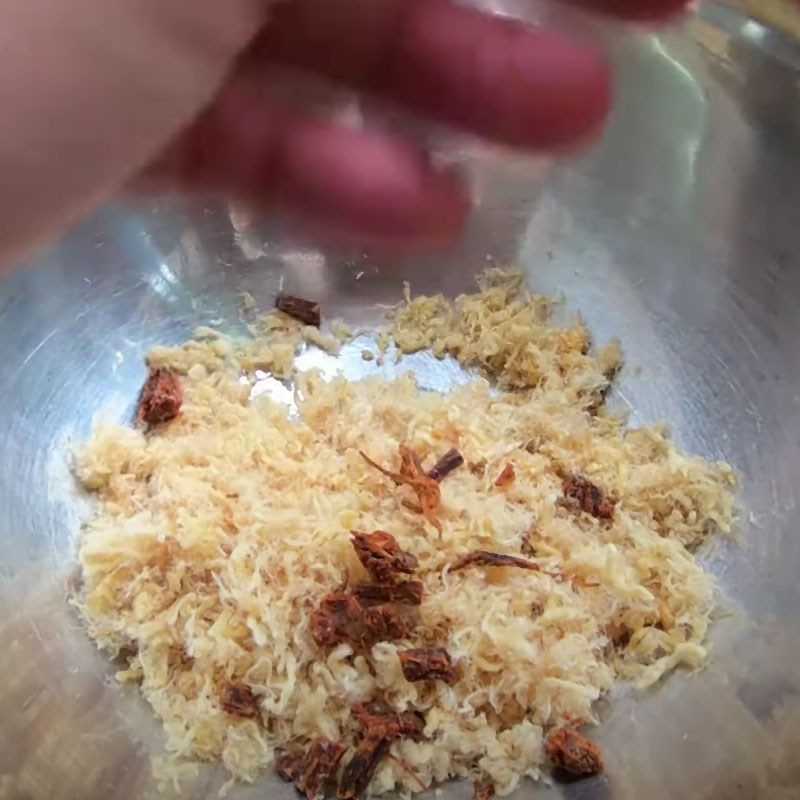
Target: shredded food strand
x: 218, y: 537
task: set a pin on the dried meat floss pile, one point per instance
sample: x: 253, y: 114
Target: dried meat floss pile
x: 395, y: 587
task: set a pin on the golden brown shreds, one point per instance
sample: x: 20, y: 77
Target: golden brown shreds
x: 361, y: 767
x: 506, y: 477
x: 410, y: 463
x: 239, y: 700
x: 526, y: 546
x: 572, y: 751
x: 395, y: 476
x: 411, y: 474
x: 404, y: 765
x: 335, y: 619
x: 483, y: 558
x: 161, y: 397
x: 405, y: 593
x: 428, y: 664
x: 478, y: 467
x: 311, y: 772
x: 665, y: 616
x: 588, y: 497
x: 382, y: 556
x: 618, y: 633
x: 450, y: 461
x: 306, y: 311
x: 481, y: 790
x: 180, y: 658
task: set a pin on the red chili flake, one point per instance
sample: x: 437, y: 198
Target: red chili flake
x: 161, y: 397
x: 359, y: 770
x: 478, y: 467
x: 506, y: 477
x: 306, y: 311
x: 482, y: 790
x: 240, y: 700
x: 451, y: 460
x: 382, y: 556
x: 311, y: 772
x: 341, y: 618
x: 428, y: 663
x: 588, y: 497
x: 378, y: 721
x: 572, y: 751
x: 405, y: 593
x: 290, y: 766
x: 411, y: 474
x: 382, y: 624
x: 335, y: 619
x: 483, y: 558
x: 380, y: 728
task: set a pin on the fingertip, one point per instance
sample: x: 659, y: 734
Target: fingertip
x: 365, y: 181
x: 526, y: 87
x: 573, y: 96
x: 636, y: 10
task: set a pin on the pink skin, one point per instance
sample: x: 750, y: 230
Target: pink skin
x: 87, y: 110
x: 520, y: 86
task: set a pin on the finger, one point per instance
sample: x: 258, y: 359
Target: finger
x: 635, y: 10
x: 354, y: 180
x: 492, y: 76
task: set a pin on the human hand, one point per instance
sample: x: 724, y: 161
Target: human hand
x: 529, y: 88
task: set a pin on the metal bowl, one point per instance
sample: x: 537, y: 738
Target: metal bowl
x: 679, y: 234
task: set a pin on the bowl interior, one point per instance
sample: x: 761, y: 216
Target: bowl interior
x: 678, y: 234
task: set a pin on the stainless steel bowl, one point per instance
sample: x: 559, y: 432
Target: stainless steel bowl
x: 680, y: 234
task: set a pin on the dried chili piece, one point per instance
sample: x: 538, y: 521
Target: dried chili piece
x: 588, y: 497
x: 428, y: 663
x: 483, y: 558
x: 359, y: 770
x: 312, y: 771
x: 335, y: 618
x: 382, y: 556
x: 161, y: 397
x: 382, y: 624
x: 380, y: 728
x: 478, y: 467
x: 240, y: 700
x: 482, y: 790
x: 405, y: 593
x: 290, y: 766
x: 340, y: 617
x: 506, y: 477
x: 381, y: 722
x: 451, y: 460
x: 306, y: 311
x: 572, y: 751
x: 410, y: 463
x: 411, y: 474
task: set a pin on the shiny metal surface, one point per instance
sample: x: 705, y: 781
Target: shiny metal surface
x: 680, y: 234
